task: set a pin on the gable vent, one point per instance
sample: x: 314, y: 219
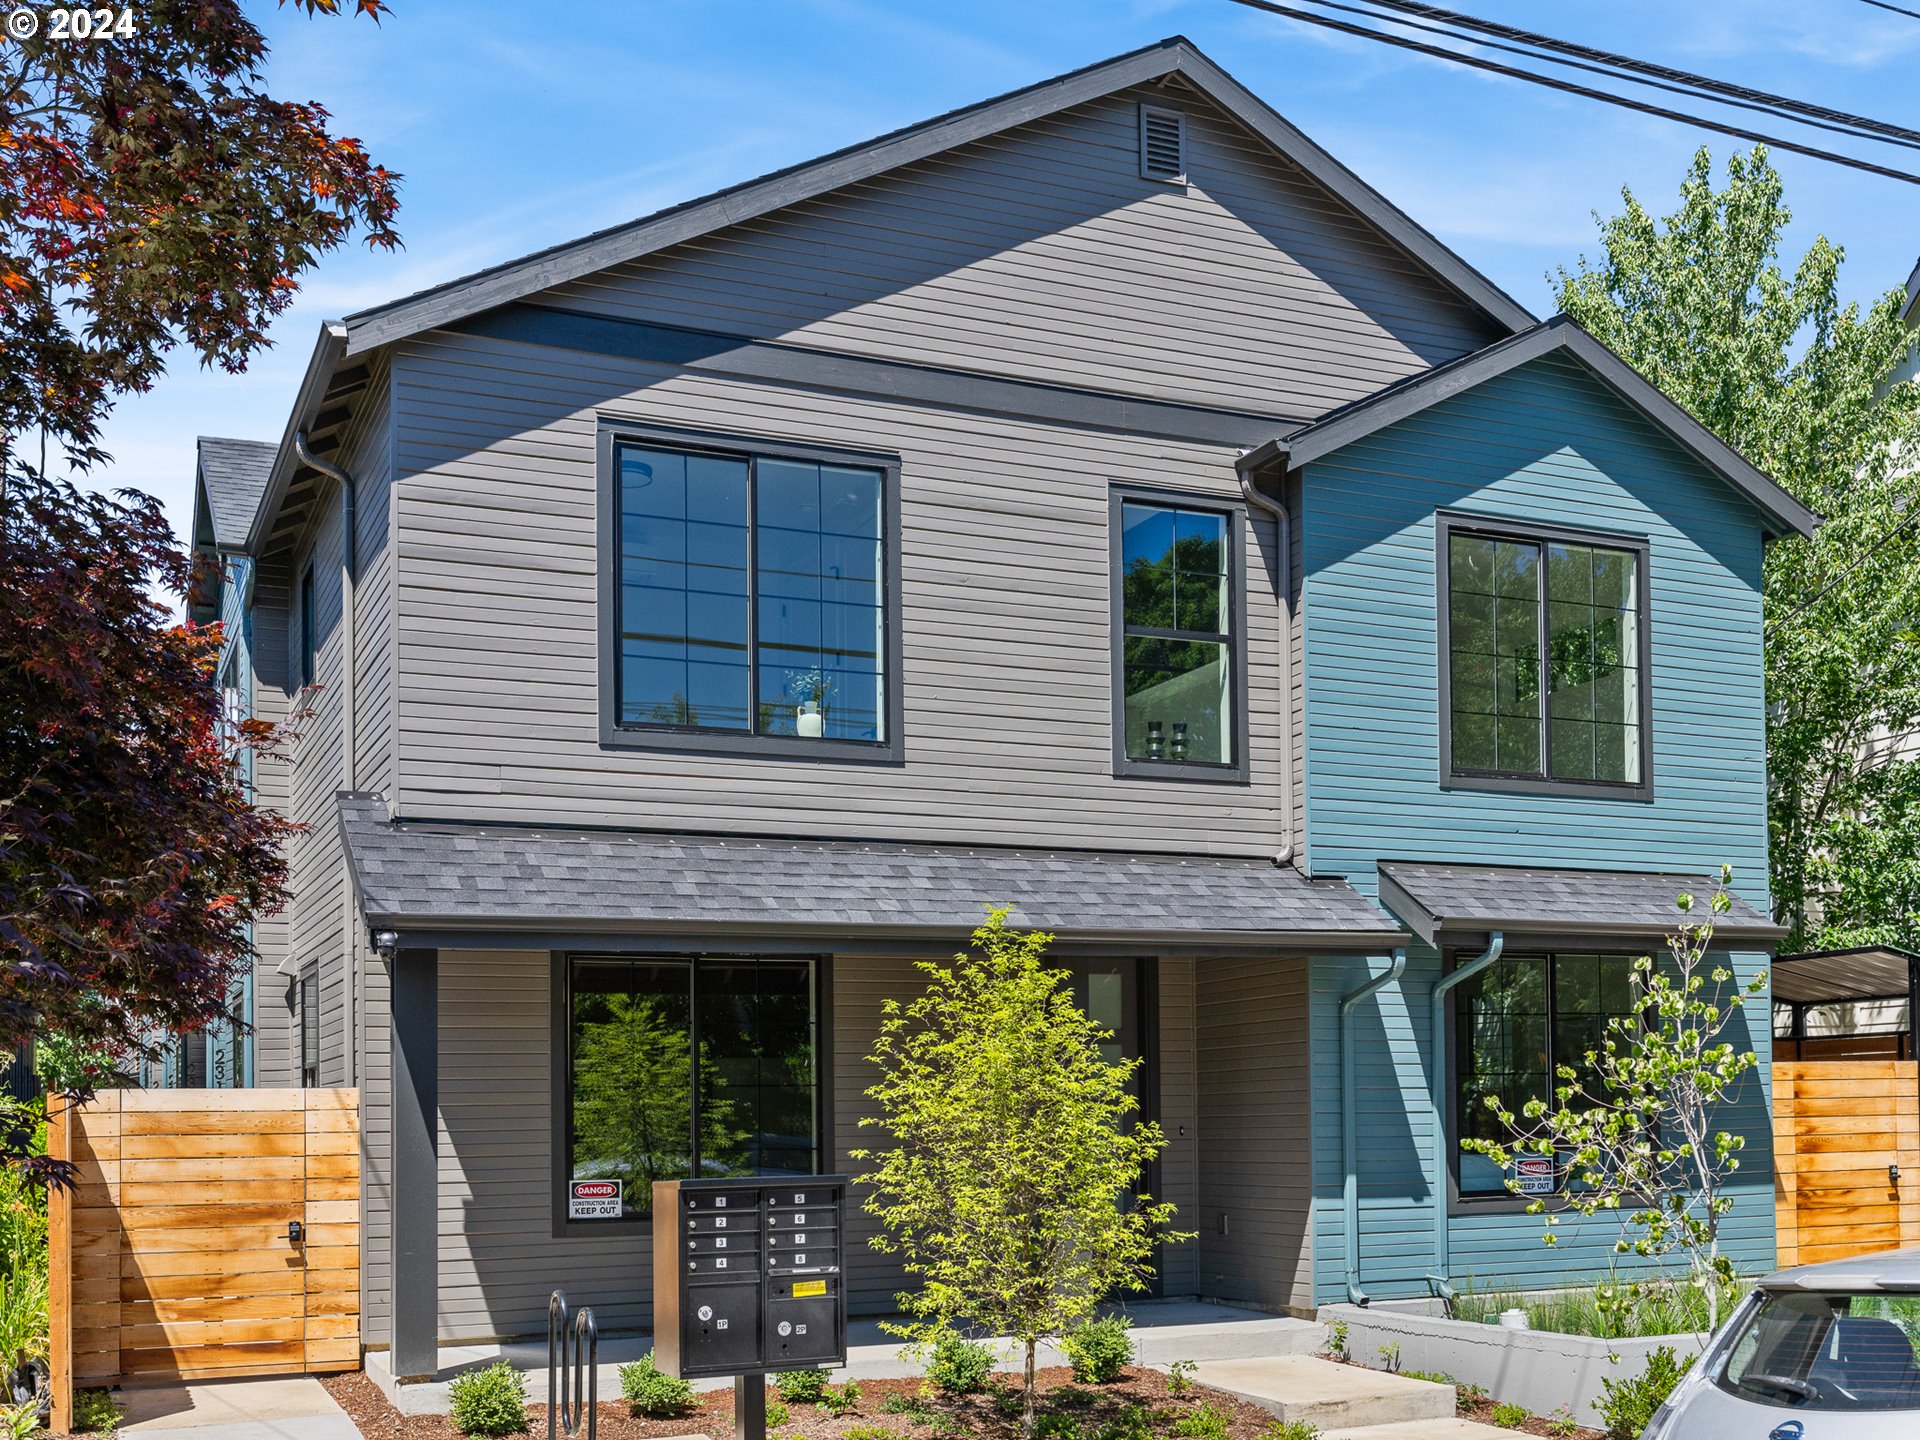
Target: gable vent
x: 1163, y: 144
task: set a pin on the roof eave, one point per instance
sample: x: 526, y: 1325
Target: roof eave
x: 329, y: 348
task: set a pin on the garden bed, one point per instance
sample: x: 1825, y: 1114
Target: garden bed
x: 1091, y: 1409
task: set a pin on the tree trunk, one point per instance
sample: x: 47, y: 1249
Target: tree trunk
x: 1029, y: 1420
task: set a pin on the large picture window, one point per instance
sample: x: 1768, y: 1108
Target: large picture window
x: 1514, y: 1025
x: 1545, y: 658
x: 1177, y: 652
x: 681, y: 1067
x: 750, y: 598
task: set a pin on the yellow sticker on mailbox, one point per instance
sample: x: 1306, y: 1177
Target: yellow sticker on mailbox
x: 809, y: 1287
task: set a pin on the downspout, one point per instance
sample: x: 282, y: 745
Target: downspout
x: 1349, y: 1120
x: 1438, y: 1280
x: 349, y: 733
x: 1283, y: 593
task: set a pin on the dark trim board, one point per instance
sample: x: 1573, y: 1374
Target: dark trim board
x: 414, y: 1023
x: 1175, y: 56
x: 890, y: 750
x: 881, y: 940
x: 745, y: 357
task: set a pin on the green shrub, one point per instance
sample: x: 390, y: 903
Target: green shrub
x: 1007, y: 1400
x: 1627, y: 1405
x: 1052, y: 1425
x: 1438, y: 1377
x: 649, y: 1390
x: 801, y: 1387
x: 1130, y: 1424
x: 96, y: 1410
x: 1180, y: 1377
x: 492, y: 1401
x: 871, y: 1432
x: 1290, y: 1430
x: 958, y: 1365
x: 1203, y: 1422
x: 900, y: 1402
x: 1390, y: 1357
x: 1068, y: 1397
x: 841, y: 1401
x: 1561, y: 1422
x: 1469, y: 1394
x: 1099, y: 1350
x: 1337, y: 1339
x: 1511, y: 1416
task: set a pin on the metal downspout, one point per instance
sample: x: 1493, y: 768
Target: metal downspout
x: 1439, y: 1280
x: 1349, y: 1121
x: 1283, y: 593
x: 349, y: 732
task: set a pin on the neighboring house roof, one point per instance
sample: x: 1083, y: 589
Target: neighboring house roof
x: 517, y: 279
x: 1910, y: 312
x: 1860, y: 972
x: 448, y: 304
x: 1559, y: 335
x: 1444, y: 902
x: 450, y: 884
x: 234, y: 475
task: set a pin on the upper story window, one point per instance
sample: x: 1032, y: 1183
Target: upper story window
x: 307, y: 644
x: 1544, y: 663
x: 751, y: 599
x: 1178, y: 654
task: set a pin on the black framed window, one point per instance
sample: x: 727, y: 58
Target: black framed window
x: 1178, y: 652
x: 751, y: 598
x: 1544, y: 658
x: 309, y: 1007
x: 689, y: 1066
x: 1514, y: 1025
x: 306, y: 627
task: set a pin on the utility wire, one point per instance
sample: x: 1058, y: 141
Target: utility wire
x: 1625, y: 102
x: 1646, y: 67
x: 1859, y: 560
x: 1897, y: 9
x: 1762, y: 102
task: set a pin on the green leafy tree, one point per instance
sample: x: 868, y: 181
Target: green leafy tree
x: 1773, y: 364
x: 1637, y: 1126
x: 1009, y: 1193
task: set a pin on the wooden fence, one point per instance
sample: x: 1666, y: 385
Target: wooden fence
x: 1841, y: 1129
x: 174, y: 1256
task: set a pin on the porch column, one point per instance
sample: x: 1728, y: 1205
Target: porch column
x: 415, y: 1279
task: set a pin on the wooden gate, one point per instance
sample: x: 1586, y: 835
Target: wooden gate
x: 1838, y: 1125
x: 173, y: 1257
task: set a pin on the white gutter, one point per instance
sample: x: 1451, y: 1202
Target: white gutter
x: 349, y: 731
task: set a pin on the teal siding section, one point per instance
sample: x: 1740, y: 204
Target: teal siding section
x: 1550, y: 443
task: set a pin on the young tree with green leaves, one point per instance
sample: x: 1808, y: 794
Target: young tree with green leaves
x: 1777, y: 367
x: 1009, y: 1193
x: 1636, y: 1128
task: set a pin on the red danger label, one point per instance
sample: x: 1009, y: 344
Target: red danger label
x: 596, y: 1189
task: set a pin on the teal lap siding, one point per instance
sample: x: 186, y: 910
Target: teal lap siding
x: 1546, y: 443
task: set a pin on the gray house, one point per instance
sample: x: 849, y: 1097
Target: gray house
x: 1097, y: 500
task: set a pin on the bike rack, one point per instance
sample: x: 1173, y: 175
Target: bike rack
x: 575, y: 1350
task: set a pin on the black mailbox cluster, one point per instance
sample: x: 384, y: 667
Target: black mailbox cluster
x: 747, y: 1275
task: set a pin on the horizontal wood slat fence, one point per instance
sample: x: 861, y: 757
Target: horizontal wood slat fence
x: 1837, y: 1127
x: 171, y: 1256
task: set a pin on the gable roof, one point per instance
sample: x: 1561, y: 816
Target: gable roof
x: 1175, y: 56
x: 233, y: 477
x: 1561, y: 334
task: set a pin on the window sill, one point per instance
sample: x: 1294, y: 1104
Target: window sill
x: 1198, y: 774
x: 734, y: 743
x: 1550, y: 789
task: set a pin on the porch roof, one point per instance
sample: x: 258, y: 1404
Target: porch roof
x: 1445, y: 902
x: 439, y: 884
x: 1861, y: 972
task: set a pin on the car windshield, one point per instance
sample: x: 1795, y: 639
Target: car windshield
x: 1835, y: 1351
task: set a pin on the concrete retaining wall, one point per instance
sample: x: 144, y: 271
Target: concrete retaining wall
x: 1539, y: 1369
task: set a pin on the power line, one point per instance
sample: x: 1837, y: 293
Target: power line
x: 1587, y: 92
x: 1756, y: 100
x: 1859, y: 560
x: 1647, y: 67
x: 1897, y: 9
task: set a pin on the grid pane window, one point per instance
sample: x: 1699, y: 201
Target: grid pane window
x: 1176, y: 598
x: 751, y: 594
x: 1544, y: 659
x: 1514, y: 1025
x: 690, y: 1067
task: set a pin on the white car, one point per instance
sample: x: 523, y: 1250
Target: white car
x: 1819, y: 1352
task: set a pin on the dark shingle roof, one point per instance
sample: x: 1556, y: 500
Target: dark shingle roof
x: 1438, y: 901
x: 235, y: 473
x: 439, y: 877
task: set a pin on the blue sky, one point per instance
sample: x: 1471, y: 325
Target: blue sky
x: 519, y: 125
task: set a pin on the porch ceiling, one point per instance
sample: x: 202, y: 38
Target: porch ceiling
x: 1867, y: 972
x: 445, y: 884
x: 1441, y: 903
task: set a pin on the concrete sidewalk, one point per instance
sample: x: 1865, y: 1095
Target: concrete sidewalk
x: 1163, y: 1331
x: 280, y: 1409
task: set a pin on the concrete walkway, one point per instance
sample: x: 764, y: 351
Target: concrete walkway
x: 1163, y: 1331
x: 285, y: 1409
x: 1327, y: 1395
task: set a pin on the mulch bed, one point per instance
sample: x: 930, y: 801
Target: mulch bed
x: 946, y: 1416
x: 1481, y: 1410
